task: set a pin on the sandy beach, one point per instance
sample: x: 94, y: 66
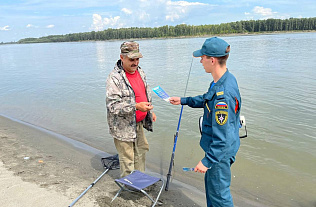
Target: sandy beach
x: 39, y: 169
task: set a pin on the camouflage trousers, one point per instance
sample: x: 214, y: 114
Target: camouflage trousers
x: 132, y: 155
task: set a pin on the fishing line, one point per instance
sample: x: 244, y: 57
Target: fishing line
x: 186, y: 86
x: 176, y: 135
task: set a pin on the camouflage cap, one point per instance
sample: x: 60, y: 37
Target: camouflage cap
x: 131, y: 49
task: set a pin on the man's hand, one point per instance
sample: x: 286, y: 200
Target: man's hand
x: 144, y: 106
x: 175, y: 100
x: 154, y: 117
x: 200, y: 168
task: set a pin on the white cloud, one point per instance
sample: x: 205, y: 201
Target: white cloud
x: 112, y: 22
x: 5, y: 28
x: 177, y: 10
x: 265, y: 12
x: 126, y: 11
x: 143, y: 16
x: 97, y: 24
x: 150, y: 13
x: 185, y: 3
x: 50, y: 26
x: 31, y: 26
x: 259, y: 12
x: 172, y: 17
x: 100, y: 24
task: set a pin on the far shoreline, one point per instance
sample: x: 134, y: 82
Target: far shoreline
x: 179, y: 37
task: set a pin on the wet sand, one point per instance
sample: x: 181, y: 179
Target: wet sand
x: 41, y: 168
x: 38, y: 168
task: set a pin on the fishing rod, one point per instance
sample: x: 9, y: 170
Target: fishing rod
x: 176, y: 136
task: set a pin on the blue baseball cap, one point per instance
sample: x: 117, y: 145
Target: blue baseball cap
x: 213, y: 47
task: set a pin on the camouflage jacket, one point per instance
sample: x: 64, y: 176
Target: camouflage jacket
x: 121, y: 105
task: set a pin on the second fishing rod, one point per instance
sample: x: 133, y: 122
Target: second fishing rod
x: 176, y: 135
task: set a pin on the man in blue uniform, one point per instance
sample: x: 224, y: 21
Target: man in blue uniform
x: 220, y: 126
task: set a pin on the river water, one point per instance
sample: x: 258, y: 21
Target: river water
x: 61, y: 87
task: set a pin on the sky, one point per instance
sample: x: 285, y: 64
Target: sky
x: 37, y: 18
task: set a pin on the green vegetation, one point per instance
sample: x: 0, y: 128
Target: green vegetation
x: 6, y: 43
x: 239, y: 27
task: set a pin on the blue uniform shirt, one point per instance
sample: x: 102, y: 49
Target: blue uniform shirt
x: 220, y: 127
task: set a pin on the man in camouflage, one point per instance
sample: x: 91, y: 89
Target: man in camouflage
x: 128, y: 102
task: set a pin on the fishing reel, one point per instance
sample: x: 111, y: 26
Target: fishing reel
x: 242, y: 124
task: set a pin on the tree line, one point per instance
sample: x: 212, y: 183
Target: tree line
x: 239, y: 27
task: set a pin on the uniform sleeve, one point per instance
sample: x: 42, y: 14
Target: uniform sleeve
x: 117, y: 99
x: 194, y: 102
x: 222, y: 122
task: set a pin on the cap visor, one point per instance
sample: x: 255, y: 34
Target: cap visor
x: 197, y: 53
x: 135, y: 55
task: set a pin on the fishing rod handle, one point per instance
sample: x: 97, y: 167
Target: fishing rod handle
x: 167, y: 183
x: 169, y: 172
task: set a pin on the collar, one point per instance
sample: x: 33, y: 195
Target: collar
x: 212, y: 91
x: 222, y: 79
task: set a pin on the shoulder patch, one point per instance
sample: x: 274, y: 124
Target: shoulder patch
x: 221, y: 117
x: 220, y: 93
x: 221, y: 105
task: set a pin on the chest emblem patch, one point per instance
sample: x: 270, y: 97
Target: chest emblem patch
x: 221, y: 105
x: 221, y: 117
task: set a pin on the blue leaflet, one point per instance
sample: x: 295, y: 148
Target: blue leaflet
x: 186, y: 169
x: 161, y: 93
